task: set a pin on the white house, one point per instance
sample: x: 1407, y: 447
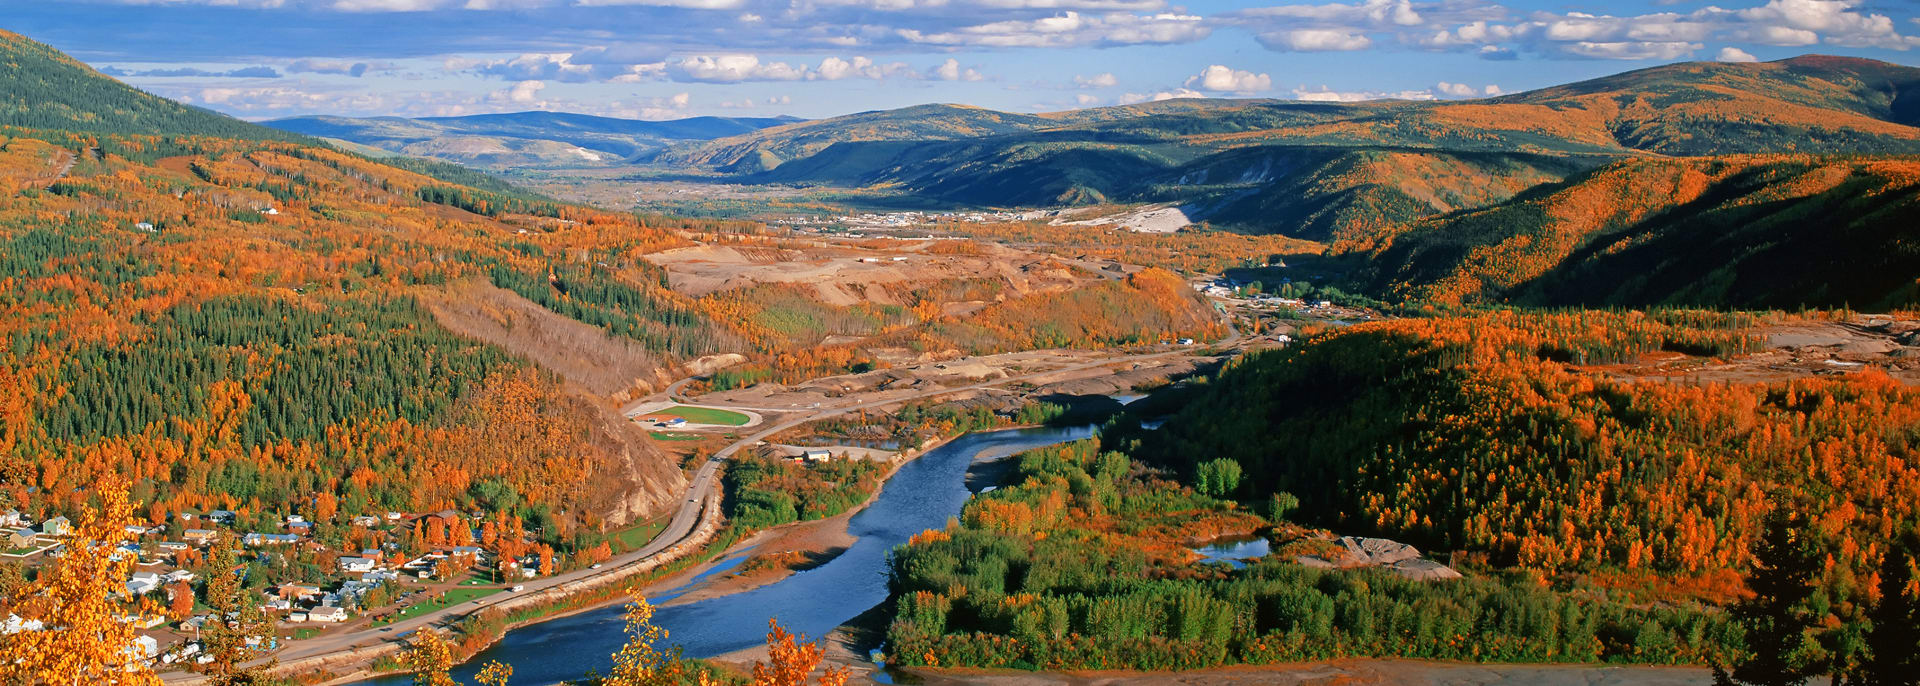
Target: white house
x: 12, y: 518
x: 143, y: 648
x: 327, y: 613
x: 356, y: 565
x: 143, y: 583
x: 368, y: 521
x: 817, y: 455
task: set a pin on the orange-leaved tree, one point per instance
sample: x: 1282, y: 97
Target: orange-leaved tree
x: 791, y: 662
x: 70, y: 617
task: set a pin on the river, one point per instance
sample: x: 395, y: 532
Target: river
x: 922, y: 495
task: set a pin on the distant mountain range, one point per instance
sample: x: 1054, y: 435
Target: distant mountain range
x: 524, y: 139
x: 1339, y: 171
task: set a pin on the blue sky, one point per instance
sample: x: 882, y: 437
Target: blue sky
x: 658, y: 59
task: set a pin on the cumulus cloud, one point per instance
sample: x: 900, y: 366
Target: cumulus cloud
x: 732, y: 69
x: 1314, y: 40
x: 1733, y: 54
x: 1325, y: 94
x: 1222, y: 79
x: 951, y: 70
x: 1446, y: 89
x: 1136, y: 98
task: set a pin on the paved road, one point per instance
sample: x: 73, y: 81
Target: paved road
x: 685, y: 517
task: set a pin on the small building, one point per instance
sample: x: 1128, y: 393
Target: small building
x: 257, y: 539
x: 12, y: 518
x: 58, y: 526
x: 143, y: 583
x: 356, y: 565
x: 178, y: 576
x: 817, y: 455
x: 301, y: 528
x: 270, y: 212
x: 172, y: 546
x: 676, y: 422
x: 201, y: 537
x: 143, y: 648
x: 296, y: 616
x: 227, y: 517
x: 23, y: 537
x: 368, y: 521
x: 327, y: 613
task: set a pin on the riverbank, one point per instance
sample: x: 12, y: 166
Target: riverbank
x: 799, y: 546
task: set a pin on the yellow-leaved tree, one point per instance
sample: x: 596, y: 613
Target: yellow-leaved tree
x: 791, y: 662
x: 70, y: 628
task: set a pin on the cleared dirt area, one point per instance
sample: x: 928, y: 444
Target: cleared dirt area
x: 848, y: 272
x: 919, y: 373
x: 1797, y: 348
x: 583, y: 354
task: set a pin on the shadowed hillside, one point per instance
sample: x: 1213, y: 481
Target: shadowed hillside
x: 1721, y: 232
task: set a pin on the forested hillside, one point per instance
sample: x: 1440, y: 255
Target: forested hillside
x: 1340, y: 171
x: 48, y: 90
x: 1752, y: 232
x: 1488, y: 433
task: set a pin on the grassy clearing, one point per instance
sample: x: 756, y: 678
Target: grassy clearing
x: 632, y: 538
x: 451, y: 598
x: 706, y: 415
x: 675, y: 436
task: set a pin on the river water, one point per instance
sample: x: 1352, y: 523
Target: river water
x: 922, y: 495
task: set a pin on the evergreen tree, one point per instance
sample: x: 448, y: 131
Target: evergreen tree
x: 1893, y: 641
x: 1781, y: 650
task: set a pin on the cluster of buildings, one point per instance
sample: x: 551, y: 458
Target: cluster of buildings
x: 24, y: 539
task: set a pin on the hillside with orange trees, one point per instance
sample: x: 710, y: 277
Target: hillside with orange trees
x: 1716, y: 232
x: 1488, y: 434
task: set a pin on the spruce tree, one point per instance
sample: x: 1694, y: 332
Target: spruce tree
x: 1893, y: 641
x: 1781, y: 650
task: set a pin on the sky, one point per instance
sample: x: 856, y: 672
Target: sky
x: 666, y: 59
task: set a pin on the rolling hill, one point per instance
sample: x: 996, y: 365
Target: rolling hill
x: 523, y: 139
x: 1339, y: 171
x: 1777, y: 232
x: 46, y: 89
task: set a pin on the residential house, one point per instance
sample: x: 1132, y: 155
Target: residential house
x: 201, y: 537
x: 296, y: 616
x: 368, y: 521
x: 300, y: 528
x: 356, y: 565
x: 12, y: 519
x: 227, y: 517
x: 143, y: 583
x: 296, y: 592
x: 327, y: 613
x: 23, y: 537
x: 171, y: 546
x: 58, y: 526
x: 257, y: 539
x: 179, y: 576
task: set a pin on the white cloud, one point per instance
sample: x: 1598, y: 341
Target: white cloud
x: 836, y: 69
x: 1222, y: 79
x: 1070, y: 29
x: 1101, y: 80
x: 1733, y: 54
x: 1135, y: 98
x: 525, y: 92
x: 1085, y: 100
x: 1325, y: 94
x: 1315, y: 40
x: 732, y: 69
x: 951, y: 70
x: 1446, y: 89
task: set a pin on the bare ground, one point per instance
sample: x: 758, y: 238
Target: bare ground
x: 1797, y: 348
x: 583, y: 354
